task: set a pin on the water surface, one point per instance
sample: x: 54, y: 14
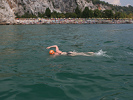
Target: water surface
x: 27, y: 71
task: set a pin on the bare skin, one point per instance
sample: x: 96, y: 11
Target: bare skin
x: 58, y: 52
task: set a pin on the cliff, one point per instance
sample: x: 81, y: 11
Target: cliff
x: 8, y: 8
x: 6, y: 13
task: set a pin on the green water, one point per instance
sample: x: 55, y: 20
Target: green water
x: 28, y: 72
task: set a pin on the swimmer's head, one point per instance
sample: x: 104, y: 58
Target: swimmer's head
x: 51, y: 52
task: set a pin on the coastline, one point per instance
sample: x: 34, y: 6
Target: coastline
x: 41, y: 21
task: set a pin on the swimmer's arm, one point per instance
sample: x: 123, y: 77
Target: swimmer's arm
x: 54, y: 46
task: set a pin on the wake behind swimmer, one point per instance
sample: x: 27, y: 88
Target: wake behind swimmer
x: 101, y: 53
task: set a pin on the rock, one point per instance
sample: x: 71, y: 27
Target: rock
x: 62, y: 6
x: 6, y: 13
x: 8, y: 8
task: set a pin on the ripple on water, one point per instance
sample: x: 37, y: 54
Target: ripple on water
x: 108, y: 41
x: 28, y: 72
x: 43, y: 91
x: 129, y: 48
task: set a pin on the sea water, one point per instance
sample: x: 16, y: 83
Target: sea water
x: 28, y: 72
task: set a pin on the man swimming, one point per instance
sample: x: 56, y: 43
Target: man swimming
x: 58, y: 52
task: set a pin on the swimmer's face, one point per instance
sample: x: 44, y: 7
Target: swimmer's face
x: 51, y: 52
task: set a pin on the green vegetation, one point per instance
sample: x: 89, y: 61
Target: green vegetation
x: 78, y: 12
x: 116, y: 8
x: 27, y: 15
x: 100, y: 2
x: 107, y: 14
x: 86, y: 13
x: 48, y: 12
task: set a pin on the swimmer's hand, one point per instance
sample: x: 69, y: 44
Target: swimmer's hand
x: 54, y: 46
x: 48, y: 48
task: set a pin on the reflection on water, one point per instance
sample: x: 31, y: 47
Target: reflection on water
x: 10, y: 35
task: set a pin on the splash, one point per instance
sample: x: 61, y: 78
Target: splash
x: 101, y: 53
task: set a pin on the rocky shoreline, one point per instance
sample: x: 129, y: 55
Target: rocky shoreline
x: 40, y: 21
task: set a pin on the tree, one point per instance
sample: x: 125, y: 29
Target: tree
x: 118, y: 15
x: 78, y: 12
x: 71, y: 15
x: 28, y: 15
x: 91, y: 13
x: 108, y: 14
x: 48, y: 12
x: 130, y: 15
x: 41, y: 15
x: 54, y: 14
x: 97, y: 13
x: 61, y: 15
x: 123, y: 15
x: 87, y: 13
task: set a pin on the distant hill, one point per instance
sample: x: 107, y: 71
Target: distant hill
x: 115, y: 8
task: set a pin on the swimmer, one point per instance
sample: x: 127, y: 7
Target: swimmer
x: 58, y: 52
